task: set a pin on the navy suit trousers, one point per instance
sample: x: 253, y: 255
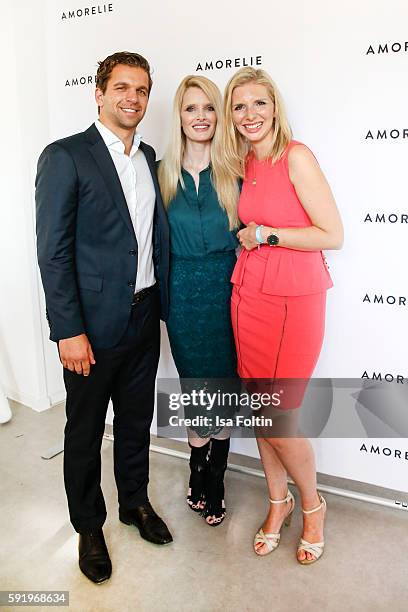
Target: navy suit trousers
x: 126, y: 374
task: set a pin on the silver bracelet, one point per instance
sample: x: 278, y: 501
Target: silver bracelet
x: 258, y: 234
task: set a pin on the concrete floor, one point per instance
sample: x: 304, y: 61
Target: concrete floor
x: 364, y: 566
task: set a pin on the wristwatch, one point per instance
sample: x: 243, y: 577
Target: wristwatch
x: 273, y: 238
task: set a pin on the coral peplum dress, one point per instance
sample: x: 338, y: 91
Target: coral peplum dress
x: 279, y: 294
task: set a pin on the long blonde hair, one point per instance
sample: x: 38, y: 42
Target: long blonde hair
x: 169, y: 171
x: 235, y: 146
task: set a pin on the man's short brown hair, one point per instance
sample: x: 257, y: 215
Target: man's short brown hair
x: 106, y: 66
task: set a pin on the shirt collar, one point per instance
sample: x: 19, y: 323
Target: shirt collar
x: 204, y: 170
x: 114, y: 142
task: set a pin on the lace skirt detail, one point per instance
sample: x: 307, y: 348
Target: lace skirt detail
x: 199, y: 323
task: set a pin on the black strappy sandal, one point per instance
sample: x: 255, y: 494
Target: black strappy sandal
x: 214, y: 483
x: 198, y: 467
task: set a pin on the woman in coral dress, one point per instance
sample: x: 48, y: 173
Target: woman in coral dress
x: 280, y: 282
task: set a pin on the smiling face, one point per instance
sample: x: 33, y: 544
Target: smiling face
x: 253, y: 113
x: 124, y: 102
x: 198, y: 116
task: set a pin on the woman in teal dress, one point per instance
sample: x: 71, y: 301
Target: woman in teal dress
x: 201, y: 198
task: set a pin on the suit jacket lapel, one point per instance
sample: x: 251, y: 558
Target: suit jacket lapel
x: 152, y: 167
x: 103, y: 159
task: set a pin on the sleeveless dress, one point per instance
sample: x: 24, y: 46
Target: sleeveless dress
x: 278, y: 300
x: 202, y: 258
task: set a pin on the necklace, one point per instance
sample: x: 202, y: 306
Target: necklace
x: 254, y: 176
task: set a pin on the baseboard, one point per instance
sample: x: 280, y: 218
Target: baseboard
x: 58, y: 398
x: 254, y: 463
x: 39, y: 404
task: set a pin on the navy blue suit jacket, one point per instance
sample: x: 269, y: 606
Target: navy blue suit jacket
x: 86, y: 245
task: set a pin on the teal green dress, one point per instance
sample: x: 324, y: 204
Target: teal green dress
x: 201, y: 263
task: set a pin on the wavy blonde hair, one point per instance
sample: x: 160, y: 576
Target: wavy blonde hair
x: 235, y: 146
x: 169, y: 172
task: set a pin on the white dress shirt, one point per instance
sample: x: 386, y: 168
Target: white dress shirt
x: 140, y: 196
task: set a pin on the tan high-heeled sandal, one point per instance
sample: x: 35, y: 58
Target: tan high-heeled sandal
x: 315, y: 548
x: 271, y: 540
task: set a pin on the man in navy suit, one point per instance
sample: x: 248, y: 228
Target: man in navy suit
x: 103, y: 252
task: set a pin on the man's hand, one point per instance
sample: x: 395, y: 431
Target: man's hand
x: 247, y: 236
x: 76, y: 354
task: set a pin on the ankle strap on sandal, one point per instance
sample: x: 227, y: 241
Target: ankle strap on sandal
x: 322, y: 503
x: 288, y: 497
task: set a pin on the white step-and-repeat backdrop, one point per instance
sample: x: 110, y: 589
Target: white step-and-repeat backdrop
x: 342, y: 71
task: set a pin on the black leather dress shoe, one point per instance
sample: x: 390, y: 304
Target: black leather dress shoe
x: 151, y: 527
x: 94, y: 559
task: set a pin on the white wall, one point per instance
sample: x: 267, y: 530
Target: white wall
x: 27, y: 372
